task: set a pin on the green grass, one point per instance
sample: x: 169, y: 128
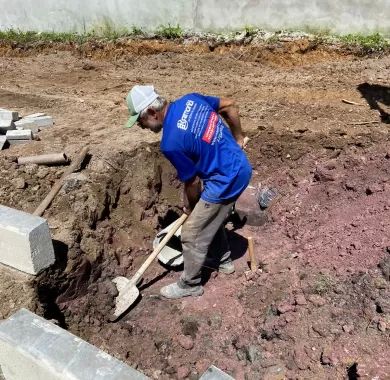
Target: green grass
x: 369, y: 43
x: 13, y: 35
x: 169, y: 31
x: 106, y: 30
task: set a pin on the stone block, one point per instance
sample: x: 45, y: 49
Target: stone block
x: 35, y: 349
x: 8, y: 115
x: 24, y: 134
x: 18, y: 142
x: 6, y: 125
x: 27, y: 124
x: 25, y: 241
x: 41, y: 121
x: 214, y: 373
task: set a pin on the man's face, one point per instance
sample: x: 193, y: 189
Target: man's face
x: 151, y: 121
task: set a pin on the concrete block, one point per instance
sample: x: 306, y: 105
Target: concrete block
x: 35, y: 349
x: 214, y: 373
x: 24, y: 134
x: 26, y: 124
x: 38, y: 114
x: 18, y: 142
x: 41, y: 121
x: 8, y: 115
x: 3, y: 142
x: 25, y: 241
x: 6, y: 125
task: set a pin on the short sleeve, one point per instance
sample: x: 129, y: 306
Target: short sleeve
x: 185, y: 167
x: 212, y: 101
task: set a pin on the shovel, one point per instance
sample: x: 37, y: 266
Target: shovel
x: 128, y: 291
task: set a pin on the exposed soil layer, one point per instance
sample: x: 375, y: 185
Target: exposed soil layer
x: 319, y: 307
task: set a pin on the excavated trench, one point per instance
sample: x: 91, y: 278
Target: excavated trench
x: 319, y: 251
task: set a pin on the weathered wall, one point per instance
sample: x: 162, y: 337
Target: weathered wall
x: 79, y: 15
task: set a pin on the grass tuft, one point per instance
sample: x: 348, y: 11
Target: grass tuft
x: 169, y: 31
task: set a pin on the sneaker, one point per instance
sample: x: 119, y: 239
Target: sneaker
x: 227, y: 267
x: 174, y: 291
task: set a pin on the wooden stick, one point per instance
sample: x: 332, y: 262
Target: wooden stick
x: 351, y: 102
x: 251, y: 252
x: 58, y: 185
x: 364, y: 122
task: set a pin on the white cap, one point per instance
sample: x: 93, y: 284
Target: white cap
x: 138, y: 99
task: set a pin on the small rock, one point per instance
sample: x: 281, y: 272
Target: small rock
x: 252, y: 354
x: 19, y: 183
x: 300, y: 358
x: 348, y: 328
x: 382, y: 325
x: 328, y: 357
x: 323, y: 175
x: 285, y: 308
x: 300, y: 300
x: 183, y: 372
x: 374, y: 188
x: 202, y: 365
x: 186, y: 342
x: 249, y: 275
x: 30, y: 169
x: 317, y: 300
x: 42, y: 172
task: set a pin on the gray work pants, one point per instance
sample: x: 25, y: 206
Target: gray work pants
x: 203, y: 236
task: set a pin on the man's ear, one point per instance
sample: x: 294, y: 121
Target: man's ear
x: 152, y: 113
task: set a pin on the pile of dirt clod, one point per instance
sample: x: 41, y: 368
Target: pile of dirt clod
x: 318, y: 308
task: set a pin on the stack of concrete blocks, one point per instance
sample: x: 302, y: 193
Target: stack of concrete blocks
x: 32, y: 348
x: 20, y: 130
x: 25, y: 241
x: 7, y: 123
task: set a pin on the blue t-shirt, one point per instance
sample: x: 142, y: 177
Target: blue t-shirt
x: 198, y: 143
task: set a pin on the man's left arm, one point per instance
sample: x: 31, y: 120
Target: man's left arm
x: 228, y: 109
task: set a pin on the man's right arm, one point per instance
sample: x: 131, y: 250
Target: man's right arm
x: 192, y: 191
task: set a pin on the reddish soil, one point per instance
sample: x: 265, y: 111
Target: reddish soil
x: 319, y: 306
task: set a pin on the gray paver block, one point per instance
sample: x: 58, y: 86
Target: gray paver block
x: 25, y: 241
x: 36, y: 349
x: 26, y: 124
x: 24, y: 134
x: 214, y: 373
x: 41, y: 121
x: 18, y: 142
x: 8, y: 115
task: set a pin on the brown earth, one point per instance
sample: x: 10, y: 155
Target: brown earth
x: 319, y: 307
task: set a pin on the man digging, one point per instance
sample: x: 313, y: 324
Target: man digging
x: 209, y: 159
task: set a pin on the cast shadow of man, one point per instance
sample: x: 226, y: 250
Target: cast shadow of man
x: 376, y: 96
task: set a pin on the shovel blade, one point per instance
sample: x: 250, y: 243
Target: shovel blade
x: 128, y: 294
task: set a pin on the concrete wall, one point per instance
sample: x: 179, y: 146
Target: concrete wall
x: 202, y: 15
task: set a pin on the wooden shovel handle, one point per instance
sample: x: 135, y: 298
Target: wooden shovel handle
x: 252, y: 257
x: 158, y: 249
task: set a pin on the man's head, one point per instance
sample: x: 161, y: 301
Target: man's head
x: 146, y: 107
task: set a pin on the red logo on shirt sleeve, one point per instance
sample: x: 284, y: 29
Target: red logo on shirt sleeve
x: 211, y: 127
